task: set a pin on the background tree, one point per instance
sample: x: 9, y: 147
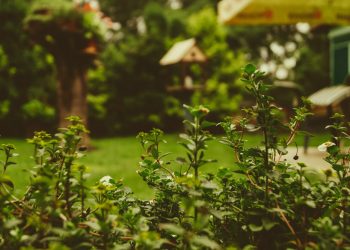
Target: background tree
x: 72, y: 34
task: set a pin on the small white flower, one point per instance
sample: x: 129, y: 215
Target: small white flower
x: 106, y: 180
x: 323, y: 147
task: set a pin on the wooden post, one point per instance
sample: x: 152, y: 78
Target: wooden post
x: 71, y: 93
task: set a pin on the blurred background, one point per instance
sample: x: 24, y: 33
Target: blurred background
x: 114, y: 48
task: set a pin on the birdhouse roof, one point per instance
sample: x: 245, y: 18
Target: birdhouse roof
x: 184, y: 51
x: 330, y: 96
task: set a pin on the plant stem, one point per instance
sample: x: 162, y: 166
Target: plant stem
x: 301, y: 182
x: 285, y: 220
x: 60, y: 174
x: 266, y: 163
x: 67, y: 186
x: 195, y: 160
x: 345, y: 215
x: 82, y: 194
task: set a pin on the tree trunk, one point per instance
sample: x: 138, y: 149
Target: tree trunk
x: 72, y: 94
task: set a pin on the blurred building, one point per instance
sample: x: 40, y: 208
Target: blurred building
x: 340, y: 55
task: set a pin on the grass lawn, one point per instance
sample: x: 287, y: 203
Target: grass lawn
x: 119, y: 157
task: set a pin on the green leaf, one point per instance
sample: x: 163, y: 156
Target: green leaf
x: 180, y: 160
x: 310, y: 203
x: 209, y: 185
x: 282, y: 150
x: 164, y: 155
x: 302, y: 165
x: 240, y: 171
x: 268, y: 224
x: 207, y: 124
x: 205, y: 242
x: 154, y: 152
x: 255, y: 228
x: 338, y: 167
x: 12, y: 223
x: 10, y: 163
x: 249, y: 69
x: 249, y: 247
x: 219, y: 214
x: 172, y: 228
x: 7, y: 181
x: 93, y: 225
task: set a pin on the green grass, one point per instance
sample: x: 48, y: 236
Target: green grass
x: 119, y: 157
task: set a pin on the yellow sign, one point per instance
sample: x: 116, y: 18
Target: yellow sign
x: 314, y: 12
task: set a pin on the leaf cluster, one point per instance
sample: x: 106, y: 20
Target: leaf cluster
x: 262, y: 202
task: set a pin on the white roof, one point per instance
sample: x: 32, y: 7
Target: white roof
x: 178, y: 51
x: 331, y: 95
x: 339, y: 32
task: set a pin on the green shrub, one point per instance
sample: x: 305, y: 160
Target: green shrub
x: 265, y: 203
x: 35, y: 109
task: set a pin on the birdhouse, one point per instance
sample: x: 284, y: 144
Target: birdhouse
x: 186, y: 54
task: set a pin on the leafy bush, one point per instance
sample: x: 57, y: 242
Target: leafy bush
x: 26, y: 75
x: 36, y: 109
x: 262, y: 203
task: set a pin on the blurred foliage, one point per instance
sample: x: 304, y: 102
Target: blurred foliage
x: 70, y: 31
x: 309, y: 49
x: 36, y: 109
x: 223, y: 91
x: 127, y: 88
x: 136, y: 80
x: 313, y: 68
x: 26, y: 72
